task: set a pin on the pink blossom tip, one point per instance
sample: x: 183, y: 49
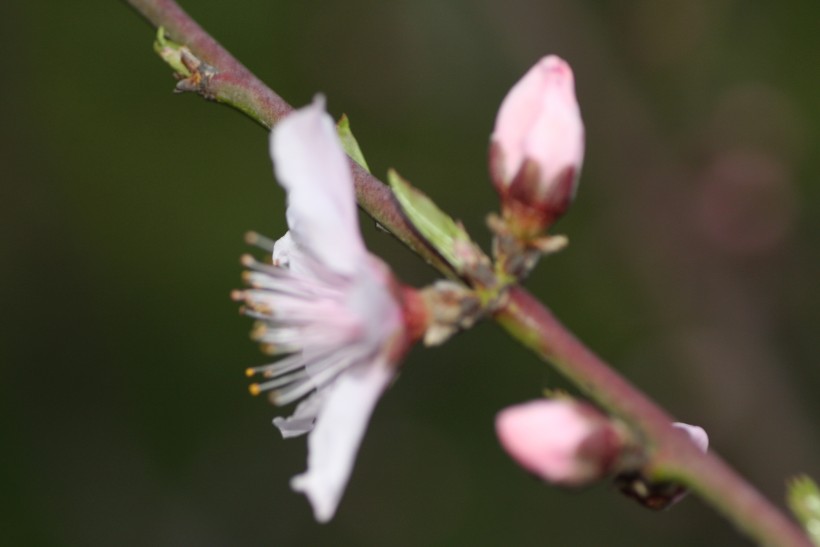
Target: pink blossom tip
x: 537, y: 145
x: 696, y: 434
x: 562, y: 441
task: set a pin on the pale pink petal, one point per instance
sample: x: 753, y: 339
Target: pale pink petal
x: 544, y: 436
x: 302, y: 419
x: 312, y: 167
x: 696, y: 434
x: 289, y: 255
x: 540, y: 120
x: 335, y: 439
x: 282, y: 250
x: 370, y: 299
x: 557, y: 137
x: 515, y: 119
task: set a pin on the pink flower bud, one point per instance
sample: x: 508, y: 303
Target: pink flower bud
x: 561, y: 441
x: 537, y: 146
x: 695, y: 433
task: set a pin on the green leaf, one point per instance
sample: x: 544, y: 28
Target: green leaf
x: 804, y: 500
x: 445, y: 235
x: 349, y: 142
x: 171, y: 53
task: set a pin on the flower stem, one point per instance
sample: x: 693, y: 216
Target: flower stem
x: 671, y: 456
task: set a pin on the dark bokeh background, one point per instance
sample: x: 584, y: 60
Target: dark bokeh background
x: 693, y: 265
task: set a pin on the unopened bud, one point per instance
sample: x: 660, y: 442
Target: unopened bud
x: 660, y: 494
x: 560, y: 440
x: 695, y: 433
x: 537, y: 147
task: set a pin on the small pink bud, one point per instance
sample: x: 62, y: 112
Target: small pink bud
x: 561, y: 440
x: 537, y: 146
x: 695, y: 433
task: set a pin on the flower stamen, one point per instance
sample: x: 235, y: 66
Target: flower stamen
x: 259, y: 241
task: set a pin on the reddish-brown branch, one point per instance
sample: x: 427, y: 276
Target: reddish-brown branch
x: 236, y: 86
x: 671, y: 454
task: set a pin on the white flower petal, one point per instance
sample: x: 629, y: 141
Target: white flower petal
x: 335, y: 439
x: 696, y: 433
x: 302, y: 419
x: 289, y: 255
x: 282, y: 251
x: 312, y: 167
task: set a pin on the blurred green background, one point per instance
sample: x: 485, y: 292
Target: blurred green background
x: 693, y: 264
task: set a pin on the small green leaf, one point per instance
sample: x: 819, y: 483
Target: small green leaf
x: 446, y: 235
x: 349, y: 142
x: 171, y: 53
x: 804, y: 500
